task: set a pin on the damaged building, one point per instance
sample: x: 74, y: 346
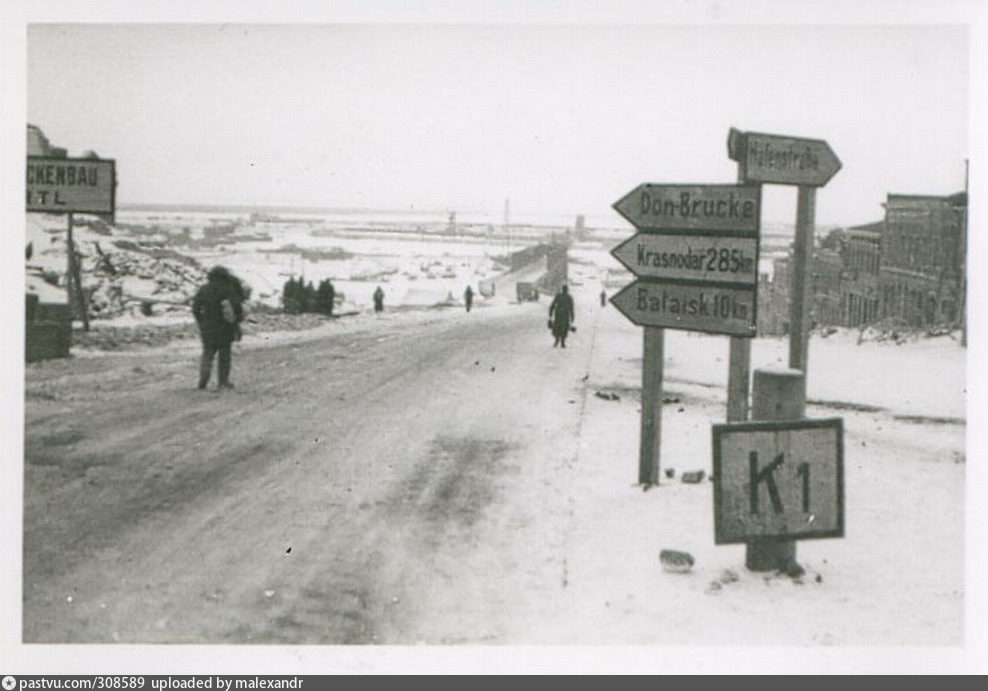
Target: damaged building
x: 908, y: 269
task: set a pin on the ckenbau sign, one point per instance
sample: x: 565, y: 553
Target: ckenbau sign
x: 65, y: 185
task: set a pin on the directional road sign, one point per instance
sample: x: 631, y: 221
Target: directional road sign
x: 711, y: 209
x: 692, y: 307
x: 778, y: 479
x: 697, y: 257
x: 784, y: 160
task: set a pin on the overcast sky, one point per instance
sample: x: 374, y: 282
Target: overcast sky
x: 557, y: 118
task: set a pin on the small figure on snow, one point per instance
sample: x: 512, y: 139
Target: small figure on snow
x: 378, y: 299
x: 561, y: 316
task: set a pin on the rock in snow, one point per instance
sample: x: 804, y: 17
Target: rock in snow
x: 676, y: 562
x: 694, y: 476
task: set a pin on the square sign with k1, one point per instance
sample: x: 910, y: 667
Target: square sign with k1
x: 778, y: 480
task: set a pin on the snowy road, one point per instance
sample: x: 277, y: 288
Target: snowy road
x: 389, y: 486
x: 450, y: 478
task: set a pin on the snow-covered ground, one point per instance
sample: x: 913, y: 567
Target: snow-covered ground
x: 414, y: 269
x: 896, y: 578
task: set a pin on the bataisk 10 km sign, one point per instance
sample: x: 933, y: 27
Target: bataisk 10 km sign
x: 696, y: 257
x: 61, y: 185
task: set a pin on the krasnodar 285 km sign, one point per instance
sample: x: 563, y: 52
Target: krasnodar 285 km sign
x: 695, y: 257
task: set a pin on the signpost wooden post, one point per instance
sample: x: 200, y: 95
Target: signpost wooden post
x: 74, y: 282
x: 779, y: 479
x: 649, y: 451
x: 800, y: 303
x: 696, y: 263
x: 780, y: 395
x: 739, y: 367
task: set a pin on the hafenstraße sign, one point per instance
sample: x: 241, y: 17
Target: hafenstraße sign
x: 783, y: 160
x: 62, y: 185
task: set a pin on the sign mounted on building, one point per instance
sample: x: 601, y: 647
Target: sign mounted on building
x: 708, y: 258
x: 778, y: 480
x: 709, y: 308
x: 65, y: 185
x: 702, y: 209
x: 783, y: 160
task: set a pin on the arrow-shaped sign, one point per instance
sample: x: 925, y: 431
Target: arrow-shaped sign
x: 714, y: 209
x: 711, y: 309
x: 784, y: 160
x: 710, y: 258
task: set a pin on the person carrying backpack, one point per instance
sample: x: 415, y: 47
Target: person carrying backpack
x: 218, y: 309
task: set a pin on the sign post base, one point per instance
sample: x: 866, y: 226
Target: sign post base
x: 770, y: 554
x: 777, y: 394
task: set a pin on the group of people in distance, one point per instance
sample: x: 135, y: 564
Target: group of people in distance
x: 218, y: 308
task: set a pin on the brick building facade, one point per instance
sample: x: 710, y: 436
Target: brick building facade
x: 909, y: 268
x: 921, y: 275
x: 859, y: 289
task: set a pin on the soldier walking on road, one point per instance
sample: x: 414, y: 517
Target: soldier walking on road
x: 468, y: 297
x: 378, y: 299
x: 218, y: 309
x: 561, y: 316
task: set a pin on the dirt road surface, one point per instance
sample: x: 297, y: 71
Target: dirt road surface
x: 399, y: 484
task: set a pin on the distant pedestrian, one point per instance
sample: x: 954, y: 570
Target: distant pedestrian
x: 218, y: 309
x: 468, y: 297
x: 603, y: 298
x: 561, y: 316
x: 326, y: 297
x: 378, y: 299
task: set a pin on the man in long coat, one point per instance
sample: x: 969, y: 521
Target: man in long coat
x: 218, y: 310
x: 561, y: 316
